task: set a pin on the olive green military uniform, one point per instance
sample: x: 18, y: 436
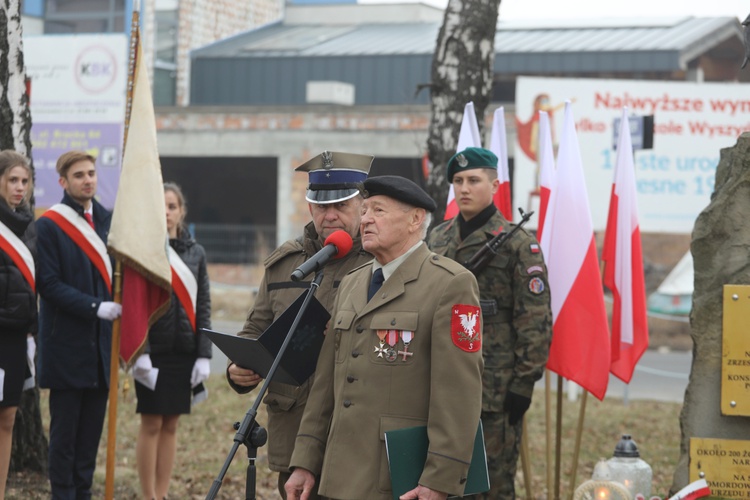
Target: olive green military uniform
x: 363, y: 388
x: 517, y: 332
x: 286, y: 403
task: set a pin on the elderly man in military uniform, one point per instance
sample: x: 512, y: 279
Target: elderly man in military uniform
x: 335, y: 203
x: 396, y: 355
x: 515, y: 304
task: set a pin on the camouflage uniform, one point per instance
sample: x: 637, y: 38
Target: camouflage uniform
x: 517, y: 318
x: 286, y: 403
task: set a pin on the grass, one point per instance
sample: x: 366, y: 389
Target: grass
x: 206, y: 436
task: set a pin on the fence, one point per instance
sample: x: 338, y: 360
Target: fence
x: 235, y: 243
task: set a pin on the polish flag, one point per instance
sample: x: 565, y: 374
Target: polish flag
x: 468, y: 137
x: 693, y: 491
x: 499, y: 146
x: 623, y: 264
x: 546, y: 157
x: 580, y: 338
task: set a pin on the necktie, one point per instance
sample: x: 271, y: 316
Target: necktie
x: 89, y: 219
x: 377, y: 280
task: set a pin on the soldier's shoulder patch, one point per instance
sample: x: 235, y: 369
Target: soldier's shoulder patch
x: 534, y: 248
x: 536, y: 285
x: 466, y: 327
x: 535, y: 269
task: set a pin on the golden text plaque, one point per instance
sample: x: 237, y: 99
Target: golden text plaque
x: 724, y: 464
x: 735, y: 352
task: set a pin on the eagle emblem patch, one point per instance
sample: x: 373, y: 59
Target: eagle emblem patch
x: 462, y: 161
x: 466, y: 327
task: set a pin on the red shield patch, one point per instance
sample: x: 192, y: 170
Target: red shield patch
x: 466, y: 327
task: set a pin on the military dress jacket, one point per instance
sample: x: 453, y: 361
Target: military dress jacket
x: 426, y: 371
x: 285, y: 403
x: 515, y: 300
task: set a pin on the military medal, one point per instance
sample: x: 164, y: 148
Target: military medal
x: 380, y: 349
x: 407, y: 337
x: 391, y: 338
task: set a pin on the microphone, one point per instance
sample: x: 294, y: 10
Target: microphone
x: 335, y: 246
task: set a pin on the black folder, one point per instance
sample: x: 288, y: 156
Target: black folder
x: 301, y: 355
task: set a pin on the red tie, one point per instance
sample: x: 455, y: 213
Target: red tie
x: 89, y: 219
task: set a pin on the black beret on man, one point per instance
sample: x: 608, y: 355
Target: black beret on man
x: 399, y: 188
x: 471, y: 158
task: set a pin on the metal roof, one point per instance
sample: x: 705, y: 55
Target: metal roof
x: 687, y: 34
x: 270, y: 64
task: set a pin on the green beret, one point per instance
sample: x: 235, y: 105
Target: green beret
x: 399, y: 188
x: 471, y: 158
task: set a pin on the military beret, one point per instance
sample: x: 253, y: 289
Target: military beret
x: 335, y: 176
x: 401, y: 189
x: 471, y: 158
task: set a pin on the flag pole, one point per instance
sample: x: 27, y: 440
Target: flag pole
x: 525, y: 462
x: 558, y: 435
x: 114, y: 375
x: 548, y: 430
x: 114, y: 365
x: 576, y: 451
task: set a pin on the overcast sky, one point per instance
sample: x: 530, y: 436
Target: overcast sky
x: 537, y: 9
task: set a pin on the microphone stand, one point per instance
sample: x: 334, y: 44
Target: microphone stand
x: 249, y: 433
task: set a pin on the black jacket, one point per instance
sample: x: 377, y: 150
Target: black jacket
x: 18, y: 314
x: 172, y: 333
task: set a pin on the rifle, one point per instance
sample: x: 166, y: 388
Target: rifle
x: 484, y: 255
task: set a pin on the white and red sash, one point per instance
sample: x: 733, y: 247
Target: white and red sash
x: 83, y: 235
x: 19, y: 253
x: 184, y: 285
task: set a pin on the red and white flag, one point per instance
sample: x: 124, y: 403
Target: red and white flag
x: 547, y: 171
x: 138, y: 235
x: 623, y: 263
x: 468, y: 137
x: 499, y: 146
x: 693, y: 491
x: 580, y: 338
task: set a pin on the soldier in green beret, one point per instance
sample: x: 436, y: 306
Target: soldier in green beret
x: 515, y: 303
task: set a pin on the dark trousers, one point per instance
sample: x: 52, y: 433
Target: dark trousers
x: 77, y: 418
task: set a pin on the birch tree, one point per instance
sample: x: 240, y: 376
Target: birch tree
x: 29, y: 450
x: 461, y: 72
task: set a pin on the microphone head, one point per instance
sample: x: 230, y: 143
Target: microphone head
x: 342, y: 241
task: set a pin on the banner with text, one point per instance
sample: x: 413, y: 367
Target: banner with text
x: 692, y: 122
x: 77, y: 102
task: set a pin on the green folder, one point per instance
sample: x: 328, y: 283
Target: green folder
x: 407, y: 454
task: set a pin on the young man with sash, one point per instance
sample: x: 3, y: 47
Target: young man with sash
x: 334, y: 202
x: 515, y: 304
x: 74, y: 280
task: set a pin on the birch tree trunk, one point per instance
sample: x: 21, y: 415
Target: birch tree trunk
x: 29, y: 450
x: 461, y: 72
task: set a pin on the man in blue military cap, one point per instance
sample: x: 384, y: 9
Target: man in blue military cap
x: 515, y: 305
x: 334, y: 202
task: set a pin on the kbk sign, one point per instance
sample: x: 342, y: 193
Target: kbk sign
x: 95, y: 69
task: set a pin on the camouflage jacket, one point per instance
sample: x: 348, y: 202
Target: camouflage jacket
x: 276, y: 292
x: 515, y: 301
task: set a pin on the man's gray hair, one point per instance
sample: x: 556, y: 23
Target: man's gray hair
x: 426, y: 223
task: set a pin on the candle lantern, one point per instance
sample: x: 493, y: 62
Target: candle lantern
x: 627, y: 468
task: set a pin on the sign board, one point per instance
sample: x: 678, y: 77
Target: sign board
x: 77, y: 102
x: 724, y: 464
x: 675, y: 179
x: 735, y: 351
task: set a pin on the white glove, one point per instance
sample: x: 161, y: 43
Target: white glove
x: 30, y: 347
x: 201, y: 370
x: 142, y: 366
x: 109, y: 310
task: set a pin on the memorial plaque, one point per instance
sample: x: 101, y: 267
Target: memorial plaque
x: 724, y: 464
x: 735, y: 352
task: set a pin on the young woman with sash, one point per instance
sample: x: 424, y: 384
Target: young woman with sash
x: 18, y: 314
x: 175, y: 348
